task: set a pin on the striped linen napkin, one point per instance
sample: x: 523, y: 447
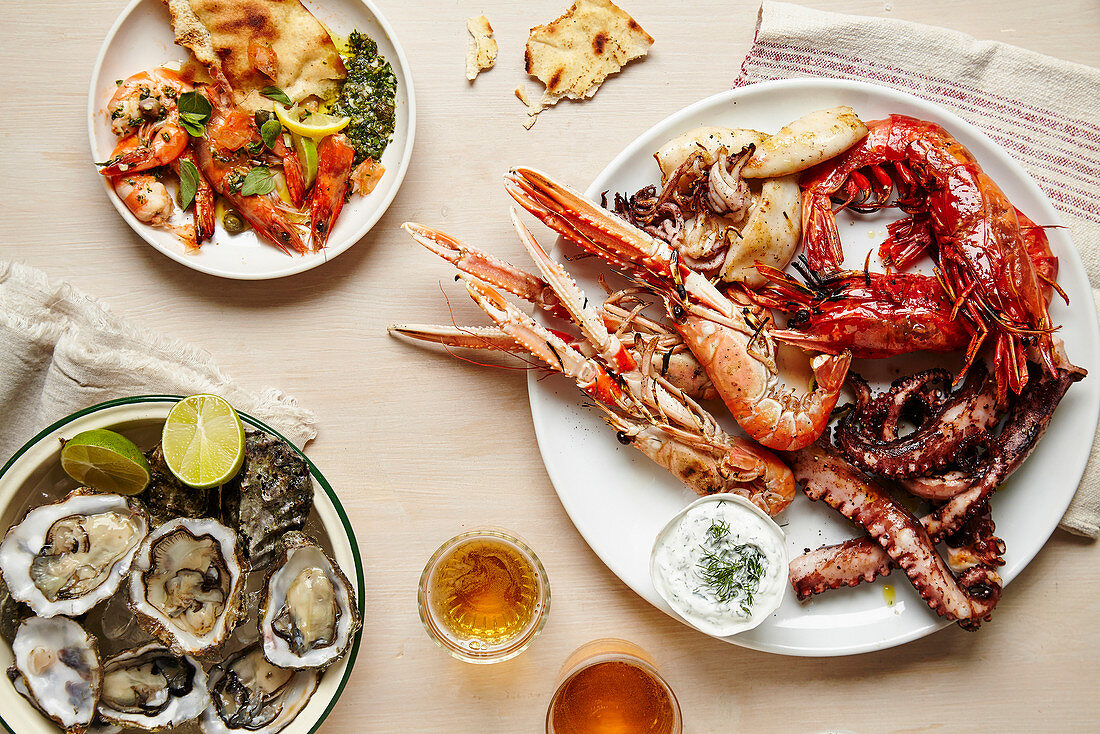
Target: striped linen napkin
x: 1042, y: 110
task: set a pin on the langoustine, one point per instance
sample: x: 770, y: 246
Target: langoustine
x: 646, y: 411
x: 729, y: 339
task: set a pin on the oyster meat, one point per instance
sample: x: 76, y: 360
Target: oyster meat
x: 57, y: 669
x: 166, y: 498
x: 308, y: 614
x: 150, y: 688
x: 270, y: 496
x: 249, y: 694
x: 66, y: 557
x: 187, y: 585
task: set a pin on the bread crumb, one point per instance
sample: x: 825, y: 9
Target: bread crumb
x: 481, y: 53
x: 533, y: 108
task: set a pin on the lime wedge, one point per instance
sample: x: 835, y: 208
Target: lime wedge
x: 105, y: 461
x: 314, y: 125
x: 307, y: 154
x: 203, y: 441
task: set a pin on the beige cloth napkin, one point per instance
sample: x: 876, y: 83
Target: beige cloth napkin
x: 1042, y: 110
x: 61, y: 351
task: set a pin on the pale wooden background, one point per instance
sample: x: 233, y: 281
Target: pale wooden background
x: 421, y: 446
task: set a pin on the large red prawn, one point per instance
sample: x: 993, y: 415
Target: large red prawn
x: 967, y: 223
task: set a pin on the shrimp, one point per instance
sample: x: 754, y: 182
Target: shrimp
x: 204, y: 199
x: 145, y: 106
x: 729, y: 339
x: 973, y: 229
x: 148, y: 200
x: 335, y: 157
x: 222, y: 161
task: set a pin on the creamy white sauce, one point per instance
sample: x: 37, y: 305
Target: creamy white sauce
x: 721, y: 532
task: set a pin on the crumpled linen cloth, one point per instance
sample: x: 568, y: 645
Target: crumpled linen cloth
x: 62, y: 351
x: 1042, y: 110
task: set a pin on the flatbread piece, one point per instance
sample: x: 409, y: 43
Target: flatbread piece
x: 575, y: 53
x: 251, y: 44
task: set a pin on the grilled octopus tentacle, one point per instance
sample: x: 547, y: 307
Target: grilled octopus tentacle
x: 849, y: 563
x: 825, y: 475
x: 868, y: 434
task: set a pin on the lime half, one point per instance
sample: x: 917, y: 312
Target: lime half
x: 307, y: 154
x: 105, y: 461
x: 203, y: 441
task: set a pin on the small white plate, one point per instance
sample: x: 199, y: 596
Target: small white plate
x: 619, y: 500
x: 142, y: 39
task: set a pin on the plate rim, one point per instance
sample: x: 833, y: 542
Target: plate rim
x: 345, y: 522
x: 731, y: 95
x: 297, y: 264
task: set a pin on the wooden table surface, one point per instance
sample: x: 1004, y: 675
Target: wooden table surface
x: 421, y: 446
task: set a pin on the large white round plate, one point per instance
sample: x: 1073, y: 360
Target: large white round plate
x: 619, y: 500
x: 142, y: 39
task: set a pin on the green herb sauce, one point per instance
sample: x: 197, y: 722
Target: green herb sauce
x: 368, y: 98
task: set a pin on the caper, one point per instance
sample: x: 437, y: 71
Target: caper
x: 233, y: 222
x: 149, y: 107
x: 262, y: 116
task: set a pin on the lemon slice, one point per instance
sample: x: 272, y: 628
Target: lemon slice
x: 314, y: 125
x: 307, y: 154
x: 105, y: 461
x: 203, y: 441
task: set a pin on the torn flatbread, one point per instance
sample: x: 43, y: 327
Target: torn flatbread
x: 481, y: 54
x: 573, y: 55
x: 251, y: 44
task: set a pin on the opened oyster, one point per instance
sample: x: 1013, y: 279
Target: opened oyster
x: 271, y: 495
x: 57, y: 669
x: 187, y: 585
x: 308, y: 614
x: 150, y: 688
x: 66, y: 557
x: 247, y: 693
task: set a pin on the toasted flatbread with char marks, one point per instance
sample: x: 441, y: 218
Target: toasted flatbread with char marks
x: 251, y: 44
x: 573, y: 54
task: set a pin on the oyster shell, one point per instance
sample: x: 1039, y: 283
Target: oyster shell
x: 150, y: 688
x: 187, y: 585
x: 249, y: 694
x: 271, y: 495
x: 12, y: 612
x: 68, y: 556
x: 308, y: 614
x: 166, y: 498
x: 57, y: 669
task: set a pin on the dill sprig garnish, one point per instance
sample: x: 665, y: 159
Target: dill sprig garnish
x: 733, y: 573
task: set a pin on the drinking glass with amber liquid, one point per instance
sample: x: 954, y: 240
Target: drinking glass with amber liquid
x: 484, y: 596
x: 612, y: 687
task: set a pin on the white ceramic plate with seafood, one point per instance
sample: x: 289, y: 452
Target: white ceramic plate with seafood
x: 35, y: 473
x: 619, y: 500
x: 142, y: 39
